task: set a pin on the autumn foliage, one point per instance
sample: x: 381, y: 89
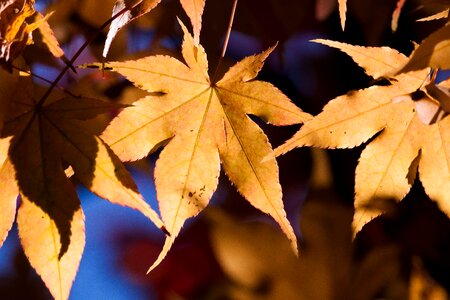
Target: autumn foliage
x: 206, y: 115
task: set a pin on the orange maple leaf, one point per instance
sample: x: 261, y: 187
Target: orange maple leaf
x: 205, y: 123
x: 18, y: 20
x: 44, y: 133
x: 15, y: 32
x: 411, y: 127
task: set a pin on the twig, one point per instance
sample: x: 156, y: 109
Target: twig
x: 227, y: 38
x: 78, y: 53
x: 47, y: 81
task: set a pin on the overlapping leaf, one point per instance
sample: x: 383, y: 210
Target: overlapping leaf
x: 40, y: 138
x: 410, y: 132
x: 205, y: 123
x: 14, y: 30
x: 136, y: 8
x: 18, y: 20
x: 433, y: 51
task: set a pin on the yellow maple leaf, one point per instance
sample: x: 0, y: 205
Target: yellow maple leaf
x: 206, y: 124
x: 136, y: 8
x: 43, y: 133
x: 409, y: 126
x: 9, y: 191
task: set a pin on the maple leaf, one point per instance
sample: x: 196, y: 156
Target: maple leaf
x: 205, y: 123
x: 18, y: 20
x: 15, y: 32
x: 43, y: 133
x: 136, y: 8
x: 433, y: 51
x: 410, y: 126
x: 9, y: 191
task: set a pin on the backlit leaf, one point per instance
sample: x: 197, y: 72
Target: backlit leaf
x: 49, y: 131
x: 136, y: 8
x: 440, y: 15
x: 342, y: 12
x: 205, y: 123
x: 15, y: 32
x: 433, y: 51
x: 194, y: 10
x: 411, y: 131
x: 8, y: 192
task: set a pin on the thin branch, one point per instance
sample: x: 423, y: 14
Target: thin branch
x: 227, y: 38
x: 78, y: 53
x: 47, y: 81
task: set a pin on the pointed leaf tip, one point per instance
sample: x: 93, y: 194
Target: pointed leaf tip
x: 342, y: 12
x: 165, y: 250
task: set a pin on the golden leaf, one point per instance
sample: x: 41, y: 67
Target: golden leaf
x: 8, y: 193
x: 194, y: 10
x: 408, y: 123
x: 205, y: 123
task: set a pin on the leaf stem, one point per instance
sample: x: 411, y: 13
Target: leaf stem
x: 433, y: 74
x: 227, y: 38
x: 78, y: 53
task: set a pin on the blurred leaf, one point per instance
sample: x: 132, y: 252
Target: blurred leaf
x: 15, y: 32
x: 422, y: 286
x: 396, y: 14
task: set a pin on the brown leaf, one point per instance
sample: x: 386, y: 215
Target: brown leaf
x: 15, y: 32
x: 47, y: 134
x: 8, y: 86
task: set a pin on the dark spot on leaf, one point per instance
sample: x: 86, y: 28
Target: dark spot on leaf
x: 417, y: 95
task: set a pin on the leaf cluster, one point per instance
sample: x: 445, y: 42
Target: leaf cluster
x: 60, y: 131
